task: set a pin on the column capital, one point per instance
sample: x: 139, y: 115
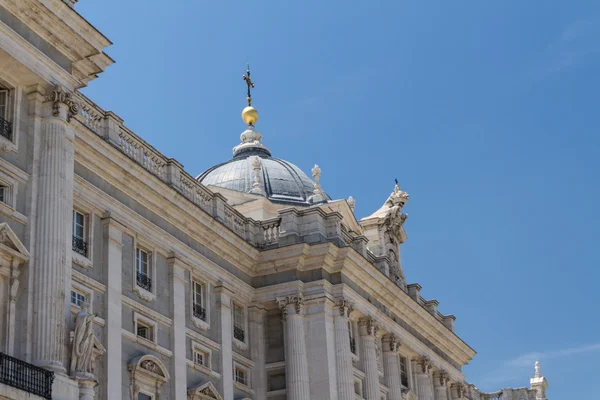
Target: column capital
x: 440, y: 378
x: 458, y: 390
x: 64, y: 105
x: 390, y: 343
x: 425, y: 365
x: 367, y: 326
x: 290, y: 303
x: 345, y: 307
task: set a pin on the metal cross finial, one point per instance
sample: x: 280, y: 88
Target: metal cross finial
x: 250, y: 85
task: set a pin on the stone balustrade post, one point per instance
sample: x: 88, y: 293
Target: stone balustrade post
x: 440, y: 385
x: 296, y: 372
x: 343, y: 353
x: 368, y: 330
x: 391, y: 366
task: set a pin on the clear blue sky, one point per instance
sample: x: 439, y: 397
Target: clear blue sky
x: 485, y: 111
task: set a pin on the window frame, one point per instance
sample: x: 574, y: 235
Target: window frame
x: 143, y: 293
x: 241, y: 344
x: 13, y: 114
x: 404, y: 370
x: 137, y: 318
x: 198, y: 322
x: 247, y: 370
x: 85, y: 291
x: 88, y: 234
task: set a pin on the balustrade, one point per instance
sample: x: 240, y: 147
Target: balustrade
x: 25, y: 376
x: 271, y: 230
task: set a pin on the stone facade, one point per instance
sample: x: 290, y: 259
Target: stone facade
x: 128, y: 278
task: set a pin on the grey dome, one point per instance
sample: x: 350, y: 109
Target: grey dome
x: 281, y: 181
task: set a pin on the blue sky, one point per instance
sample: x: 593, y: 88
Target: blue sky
x: 485, y: 111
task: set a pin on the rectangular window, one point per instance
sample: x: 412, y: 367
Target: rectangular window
x: 143, y: 396
x: 403, y: 372
x: 4, y: 104
x: 5, y: 125
x: 352, y: 339
x: 241, y: 376
x: 239, y: 323
x: 79, y: 243
x: 142, y: 268
x: 145, y: 330
x: 198, y: 307
x: 3, y: 194
x: 77, y: 298
x: 200, y: 357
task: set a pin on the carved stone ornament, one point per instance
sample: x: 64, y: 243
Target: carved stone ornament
x: 394, y: 222
x: 284, y: 302
x: 441, y: 378
x: 316, y: 173
x: 148, y: 373
x: 390, y: 343
x: 205, y: 391
x: 351, y: 203
x: 256, y: 167
x: 369, y: 325
x: 425, y: 365
x: 397, y: 198
x: 345, y: 307
x: 60, y: 96
x: 85, y: 347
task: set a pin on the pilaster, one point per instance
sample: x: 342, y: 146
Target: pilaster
x: 343, y: 353
x: 296, y: 363
x: 178, y: 282
x: 368, y: 330
x: 258, y: 350
x: 320, y: 345
x: 391, y: 366
x: 112, y: 259
x: 224, y: 295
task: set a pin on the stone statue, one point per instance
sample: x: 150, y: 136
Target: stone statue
x: 83, y: 343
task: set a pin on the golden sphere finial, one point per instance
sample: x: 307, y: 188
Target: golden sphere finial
x: 250, y: 115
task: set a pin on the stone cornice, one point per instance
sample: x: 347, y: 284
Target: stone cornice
x: 68, y: 32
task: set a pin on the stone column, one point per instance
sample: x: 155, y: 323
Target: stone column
x: 52, y: 270
x: 367, y: 330
x: 440, y: 385
x: 391, y: 367
x: 178, y: 283
x: 224, y: 295
x: 258, y: 350
x: 424, y: 386
x: 112, y: 258
x: 343, y: 359
x: 296, y: 363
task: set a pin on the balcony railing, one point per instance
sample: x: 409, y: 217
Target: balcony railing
x: 80, y: 246
x: 144, y: 281
x: 238, y: 333
x: 199, y: 311
x: 25, y: 376
x: 5, y: 128
x: 353, y: 345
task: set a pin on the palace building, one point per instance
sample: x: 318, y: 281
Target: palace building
x: 123, y: 276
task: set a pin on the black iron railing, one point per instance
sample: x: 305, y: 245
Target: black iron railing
x: 353, y: 345
x: 144, y: 281
x: 199, y: 311
x: 25, y: 376
x: 238, y: 333
x: 80, y: 246
x: 5, y: 128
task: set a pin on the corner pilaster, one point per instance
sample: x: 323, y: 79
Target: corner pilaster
x: 368, y: 329
x: 224, y: 295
